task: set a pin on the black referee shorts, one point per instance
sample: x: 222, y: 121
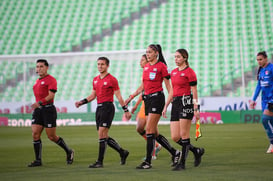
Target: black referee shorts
x: 182, y: 108
x: 105, y: 114
x: 154, y: 103
x: 45, y: 116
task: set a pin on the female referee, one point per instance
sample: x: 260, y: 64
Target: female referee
x: 183, y: 93
x: 265, y: 84
x: 141, y: 118
x: 45, y: 114
x: 153, y: 75
x: 104, y: 87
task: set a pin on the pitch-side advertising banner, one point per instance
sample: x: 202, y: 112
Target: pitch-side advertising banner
x: 214, y: 110
x: 207, y: 104
x: 227, y: 103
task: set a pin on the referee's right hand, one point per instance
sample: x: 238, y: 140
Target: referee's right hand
x: 78, y: 104
x: 164, y: 115
x: 35, y: 105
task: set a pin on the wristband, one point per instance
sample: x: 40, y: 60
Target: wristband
x: 42, y: 101
x: 84, y: 101
x: 125, y: 108
x: 195, y: 101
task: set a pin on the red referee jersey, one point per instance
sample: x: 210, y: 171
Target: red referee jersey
x: 42, y: 86
x: 181, y: 81
x: 153, y: 77
x: 105, y: 88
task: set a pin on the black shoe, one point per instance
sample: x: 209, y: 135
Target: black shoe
x: 179, y: 167
x: 124, y: 157
x: 176, y: 158
x: 144, y: 165
x: 198, y: 155
x: 97, y: 164
x: 70, y: 157
x: 35, y: 163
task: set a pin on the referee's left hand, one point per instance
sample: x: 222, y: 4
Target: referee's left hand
x: 133, y: 110
x: 197, y: 114
x: 128, y: 115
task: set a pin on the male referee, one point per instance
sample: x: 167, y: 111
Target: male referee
x: 45, y: 114
x: 104, y: 87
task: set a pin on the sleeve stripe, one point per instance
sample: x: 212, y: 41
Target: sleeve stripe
x: 53, y: 90
x: 193, y: 83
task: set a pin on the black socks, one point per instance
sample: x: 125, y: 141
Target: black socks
x: 102, y: 148
x: 38, y: 149
x: 150, y: 147
x: 165, y: 143
x: 62, y: 144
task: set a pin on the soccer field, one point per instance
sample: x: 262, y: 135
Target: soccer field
x: 232, y: 152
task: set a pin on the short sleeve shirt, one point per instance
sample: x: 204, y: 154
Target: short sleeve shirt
x: 105, y: 88
x: 181, y: 81
x: 42, y: 86
x: 153, y: 77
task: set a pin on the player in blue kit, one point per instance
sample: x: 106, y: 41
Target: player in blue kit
x: 265, y: 85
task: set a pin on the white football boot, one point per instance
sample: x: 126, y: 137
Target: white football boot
x: 270, y: 149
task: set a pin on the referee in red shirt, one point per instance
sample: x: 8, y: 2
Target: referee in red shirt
x: 154, y: 73
x: 45, y: 114
x: 104, y: 87
x: 183, y: 94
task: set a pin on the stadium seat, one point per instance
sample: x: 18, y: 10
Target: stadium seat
x: 210, y: 30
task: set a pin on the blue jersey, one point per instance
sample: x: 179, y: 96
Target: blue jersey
x: 265, y: 84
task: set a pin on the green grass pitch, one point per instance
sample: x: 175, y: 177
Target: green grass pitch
x: 232, y: 152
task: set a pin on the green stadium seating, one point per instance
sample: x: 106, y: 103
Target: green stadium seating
x: 66, y: 23
x: 214, y: 32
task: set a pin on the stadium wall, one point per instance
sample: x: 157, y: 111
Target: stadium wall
x: 207, y: 104
x: 71, y: 119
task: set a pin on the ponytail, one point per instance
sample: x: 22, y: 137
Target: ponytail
x: 160, y: 55
x: 157, y: 48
